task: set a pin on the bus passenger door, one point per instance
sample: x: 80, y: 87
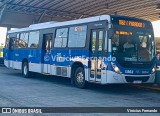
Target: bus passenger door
x: 47, y: 45
x: 97, y: 37
x: 10, y: 53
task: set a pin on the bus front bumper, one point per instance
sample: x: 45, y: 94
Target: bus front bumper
x: 113, y: 77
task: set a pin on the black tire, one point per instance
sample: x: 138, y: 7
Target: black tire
x: 79, y: 78
x: 25, y: 70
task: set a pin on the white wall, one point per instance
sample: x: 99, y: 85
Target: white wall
x: 3, y: 32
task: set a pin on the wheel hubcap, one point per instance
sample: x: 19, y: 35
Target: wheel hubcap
x: 25, y: 70
x: 80, y: 77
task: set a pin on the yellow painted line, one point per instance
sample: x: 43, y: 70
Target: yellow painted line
x: 148, y: 87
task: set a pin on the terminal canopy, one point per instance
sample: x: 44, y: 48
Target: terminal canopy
x: 22, y: 13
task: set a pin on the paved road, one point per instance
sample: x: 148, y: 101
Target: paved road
x: 1, y: 60
x: 49, y: 91
x: 16, y: 91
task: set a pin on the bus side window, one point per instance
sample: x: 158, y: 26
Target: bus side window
x: 7, y: 42
x: 94, y: 36
x: 17, y: 41
x: 48, y: 41
x: 61, y: 38
x: 77, y: 36
x: 100, y: 41
x: 33, y: 39
x: 11, y: 43
x: 23, y: 40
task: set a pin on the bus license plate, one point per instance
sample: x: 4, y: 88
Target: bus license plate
x: 137, y: 82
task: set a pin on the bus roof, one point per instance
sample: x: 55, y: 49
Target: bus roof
x: 58, y: 24
x: 66, y: 23
x: 127, y: 17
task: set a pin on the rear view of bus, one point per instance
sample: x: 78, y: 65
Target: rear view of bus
x: 133, y: 46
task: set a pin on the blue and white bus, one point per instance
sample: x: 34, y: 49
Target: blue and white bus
x: 104, y: 49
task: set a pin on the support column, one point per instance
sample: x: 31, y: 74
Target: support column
x: 8, y: 28
x: 40, y: 18
x: 2, y: 12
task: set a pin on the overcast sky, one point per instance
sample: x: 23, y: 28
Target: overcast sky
x: 156, y: 26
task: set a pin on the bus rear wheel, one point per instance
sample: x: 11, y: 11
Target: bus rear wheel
x: 25, y: 70
x: 79, y: 78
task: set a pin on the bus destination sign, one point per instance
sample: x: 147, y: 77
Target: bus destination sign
x: 132, y: 23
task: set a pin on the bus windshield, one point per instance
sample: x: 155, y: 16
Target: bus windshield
x: 132, y: 44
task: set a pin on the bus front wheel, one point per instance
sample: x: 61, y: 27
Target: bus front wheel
x: 79, y: 78
x: 25, y: 70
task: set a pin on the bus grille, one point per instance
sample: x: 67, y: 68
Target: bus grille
x: 132, y: 78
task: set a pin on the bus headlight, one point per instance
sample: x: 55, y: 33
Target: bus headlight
x: 153, y: 70
x: 116, y: 69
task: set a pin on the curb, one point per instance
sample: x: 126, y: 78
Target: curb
x: 154, y: 87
